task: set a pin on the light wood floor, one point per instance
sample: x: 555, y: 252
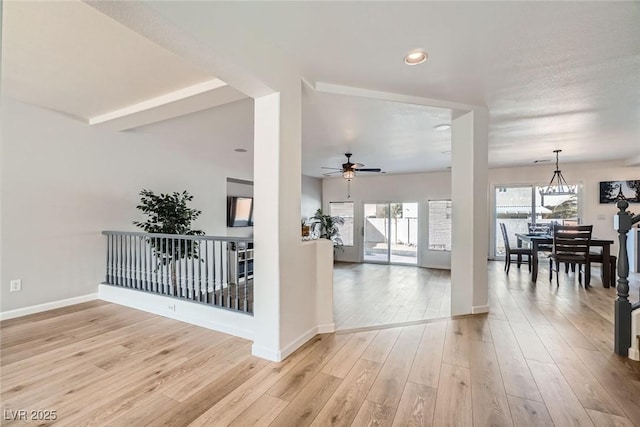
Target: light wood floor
x: 376, y: 294
x: 541, y: 357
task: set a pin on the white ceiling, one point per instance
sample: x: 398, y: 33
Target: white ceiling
x: 67, y: 56
x: 553, y: 74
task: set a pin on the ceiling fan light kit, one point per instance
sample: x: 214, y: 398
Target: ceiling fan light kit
x: 349, y: 170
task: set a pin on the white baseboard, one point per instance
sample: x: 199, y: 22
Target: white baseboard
x: 634, y: 354
x: 19, y: 312
x: 298, y: 342
x: 266, y: 353
x: 327, y: 329
x: 479, y: 309
x: 226, y: 321
x: 279, y: 355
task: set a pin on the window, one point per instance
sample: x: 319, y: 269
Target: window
x: 522, y: 209
x: 440, y: 225
x: 344, y: 210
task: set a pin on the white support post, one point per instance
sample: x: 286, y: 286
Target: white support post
x: 470, y: 227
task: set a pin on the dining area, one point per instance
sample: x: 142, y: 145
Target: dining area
x: 570, y: 248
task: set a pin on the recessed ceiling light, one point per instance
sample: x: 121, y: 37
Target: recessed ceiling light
x: 240, y: 150
x: 415, y: 57
x: 442, y: 126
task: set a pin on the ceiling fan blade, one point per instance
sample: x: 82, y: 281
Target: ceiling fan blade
x: 335, y: 169
x: 369, y: 170
x: 331, y: 173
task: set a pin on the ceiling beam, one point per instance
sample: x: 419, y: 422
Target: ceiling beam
x: 455, y: 107
x: 187, y: 100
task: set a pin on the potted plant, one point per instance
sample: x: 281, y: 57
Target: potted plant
x: 306, y: 229
x: 169, y: 214
x: 328, y: 227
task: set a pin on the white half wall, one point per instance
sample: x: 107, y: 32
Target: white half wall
x: 226, y: 321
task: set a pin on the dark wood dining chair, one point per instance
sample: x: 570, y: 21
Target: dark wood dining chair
x: 519, y: 252
x: 571, y: 246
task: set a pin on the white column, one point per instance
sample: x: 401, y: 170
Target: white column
x: 470, y: 227
x: 285, y: 271
x: 266, y: 290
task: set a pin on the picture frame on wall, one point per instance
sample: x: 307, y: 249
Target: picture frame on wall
x: 612, y: 191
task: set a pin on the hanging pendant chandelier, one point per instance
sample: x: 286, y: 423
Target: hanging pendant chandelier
x: 558, y: 185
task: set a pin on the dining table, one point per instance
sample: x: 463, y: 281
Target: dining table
x: 536, y: 241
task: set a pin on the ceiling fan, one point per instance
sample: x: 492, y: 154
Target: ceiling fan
x: 349, y: 169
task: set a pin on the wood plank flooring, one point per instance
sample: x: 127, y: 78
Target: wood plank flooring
x: 368, y: 295
x: 542, y: 357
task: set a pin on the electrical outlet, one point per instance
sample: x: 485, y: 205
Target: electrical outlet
x: 172, y: 307
x: 15, y: 286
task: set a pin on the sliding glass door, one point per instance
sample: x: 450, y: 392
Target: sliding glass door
x: 391, y: 233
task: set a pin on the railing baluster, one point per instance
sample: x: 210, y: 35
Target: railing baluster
x: 158, y: 265
x: 119, y: 260
x: 163, y: 259
x: 236, y: 301
x: 230, y: 279
x: 126, y: 261
x: 136, y: 279
x: 123, y: 273
x: 214, y: 251
x: 145, y: 267
x: 246, y: 276
x: 130, y: 252
x: 206, y: 271
x: 193, y: 271
x: 140, y: 267
x: 179, y: 268
x: 200, y: 270
x: 108, y: 263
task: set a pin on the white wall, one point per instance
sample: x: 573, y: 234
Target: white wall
x: 432, y: 186
x: 64, y: 182
x: 391, y: 188
x: 311, y: 196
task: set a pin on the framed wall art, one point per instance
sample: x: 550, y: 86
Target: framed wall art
x: 612, y: 191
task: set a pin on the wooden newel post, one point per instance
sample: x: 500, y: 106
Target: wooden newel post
x: 622, y: 224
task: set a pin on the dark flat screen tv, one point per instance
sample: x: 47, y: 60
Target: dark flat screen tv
x: 239, y: 211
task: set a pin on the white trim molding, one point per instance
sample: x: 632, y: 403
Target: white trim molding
x: 280, y: 355
x: 25, y: 311
x: 327, y: 329
x: 479, y: 309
